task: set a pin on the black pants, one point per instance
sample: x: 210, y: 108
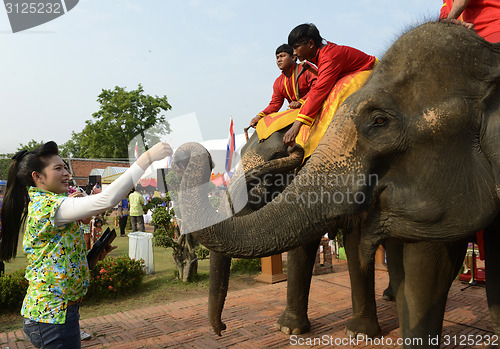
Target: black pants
x: 137, y: 220
x: 122, y: 222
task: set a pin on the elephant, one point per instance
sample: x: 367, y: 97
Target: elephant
x: 413, y: 156
x: 264, y: 158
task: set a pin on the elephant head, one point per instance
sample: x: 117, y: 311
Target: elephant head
x: 415, y: 152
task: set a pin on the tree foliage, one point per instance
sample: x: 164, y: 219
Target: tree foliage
x: 31, y: 145
x: 6, y: 159
x: 122, y: 116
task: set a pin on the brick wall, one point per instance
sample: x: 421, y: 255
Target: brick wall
x: 80, y: 168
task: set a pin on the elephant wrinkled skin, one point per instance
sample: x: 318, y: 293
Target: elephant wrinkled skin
x: 415, y: 154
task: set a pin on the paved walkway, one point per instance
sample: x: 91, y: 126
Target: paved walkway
x: 250, y: 316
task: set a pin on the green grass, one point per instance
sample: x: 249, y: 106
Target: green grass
x: 160, y: 287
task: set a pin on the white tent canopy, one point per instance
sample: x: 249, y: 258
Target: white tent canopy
x: 217, y: 149
x: 96, y: 172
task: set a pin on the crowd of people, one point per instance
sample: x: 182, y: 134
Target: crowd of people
x: 57, y: 224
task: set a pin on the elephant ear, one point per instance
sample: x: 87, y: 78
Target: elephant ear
x: 490, y: 138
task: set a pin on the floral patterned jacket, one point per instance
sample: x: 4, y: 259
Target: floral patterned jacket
x: 57, y: 269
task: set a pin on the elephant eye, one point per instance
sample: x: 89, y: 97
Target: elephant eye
x: 379, y: 118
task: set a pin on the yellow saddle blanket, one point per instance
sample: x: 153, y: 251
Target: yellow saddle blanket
x: 309, y: 136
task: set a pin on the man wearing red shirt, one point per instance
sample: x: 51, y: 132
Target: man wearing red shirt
x: 333, y: 62
x: 481, y: 15
x: 293, y: 84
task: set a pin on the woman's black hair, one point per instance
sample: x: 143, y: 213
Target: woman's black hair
x: 302, y: 33
x: 16, y: 199
x: 285, y: 48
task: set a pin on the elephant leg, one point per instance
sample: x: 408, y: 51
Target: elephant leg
x: 394, y: 249
x: 492, y: 264
x: 388, y: 294
x: 220, y: 267
x: 364, y: 318
x: 429, y: 270
x: 301, y: 260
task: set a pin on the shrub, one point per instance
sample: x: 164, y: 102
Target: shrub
x: 12, y: 290
x: 110, y: 277
x: 154, y: 202
x: 248, y: 266
x: 115, y: 276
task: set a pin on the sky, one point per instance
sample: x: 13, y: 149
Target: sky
x: 212, y: 59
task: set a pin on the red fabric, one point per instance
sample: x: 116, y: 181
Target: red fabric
x: 148, y: 182
x: 484, y: 14
x: 333, y: 62
x: 493, y: 37
x: 284, y: 88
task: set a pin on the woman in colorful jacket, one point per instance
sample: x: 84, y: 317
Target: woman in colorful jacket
x: 57, y: 271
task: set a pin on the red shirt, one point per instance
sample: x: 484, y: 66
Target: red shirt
x: 484, y: 14
x: 285, y: 88
x: 333, y: 62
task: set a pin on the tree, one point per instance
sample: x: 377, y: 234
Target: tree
x: 167, y: 234
x: 6, y: 159
x: 30, y: 146
x: 71, y: 147
x: 186, y: 251
x: 123, y: 115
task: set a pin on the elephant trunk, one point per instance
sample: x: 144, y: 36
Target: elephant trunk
x: 280, y: 165
x: 248, y: 236
x: 324, y: 191
x: 220, y: 266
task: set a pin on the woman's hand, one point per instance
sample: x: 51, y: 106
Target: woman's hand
x: 106, y: 250
x: 159, y: 151
x: 86, y: 220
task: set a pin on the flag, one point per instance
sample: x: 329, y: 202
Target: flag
x: 231, y: 147
x: 136, y: 152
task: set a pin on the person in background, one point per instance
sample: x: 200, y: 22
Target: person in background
x: 147, y: 197
x: 96, y: 189
x: 96, y: 230
x: 57, y: 272
x: 136, y: 202
x: 123, y: 213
